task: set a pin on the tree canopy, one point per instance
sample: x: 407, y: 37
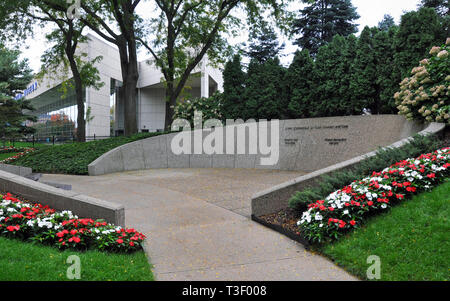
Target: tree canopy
x: 321, y: 20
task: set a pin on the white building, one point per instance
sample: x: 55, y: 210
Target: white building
x: 105, y: 109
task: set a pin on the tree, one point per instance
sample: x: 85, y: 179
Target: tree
x: 333, y: 96
x: 187, y: 30
x: 384, y: 57
x: 320, y: 21
x: 386, y: 23
x: 233, y: 86
x: 264, y: 43
x: 364, y: 77
x: 441, y: 6
x: 299, y: 85
x: 264, y: 91
x: 65, y: 39
x: 15, y: 75
x: 418, y: 31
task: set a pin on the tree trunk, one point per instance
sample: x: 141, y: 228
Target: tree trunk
x: 171, y: 101
x: 130, y: 76
x: 81, y: 121
x: 130, y: 112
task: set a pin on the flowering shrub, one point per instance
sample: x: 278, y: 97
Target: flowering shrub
x: 64, y: 230
x: 347, y: 208
x: 425, y: 95
x: 22, y: 151
x: 210, y: 107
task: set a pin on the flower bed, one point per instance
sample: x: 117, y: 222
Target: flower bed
x: 38, y: 223
x: 22, y: 151
x: 347, y: 209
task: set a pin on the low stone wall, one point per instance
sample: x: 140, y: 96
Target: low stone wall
x: 81, y: 205
x: 277, y: 197
x: 305, y: 144
x: 17, y: 170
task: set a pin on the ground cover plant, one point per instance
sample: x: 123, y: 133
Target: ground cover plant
x: 41, y: 224
x: 348, y: 208
x: 74, y: 158
x: 411, y: 240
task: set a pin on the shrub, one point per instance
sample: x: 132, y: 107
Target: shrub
x: 347, y: 208
x: 384, y: 157
x: 425, y: 95
x: 38, y: 223
x: 211, y: 108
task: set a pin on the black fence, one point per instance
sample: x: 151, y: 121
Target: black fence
x: 51, y: 140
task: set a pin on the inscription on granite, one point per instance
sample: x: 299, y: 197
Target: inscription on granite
x: 330, y: 141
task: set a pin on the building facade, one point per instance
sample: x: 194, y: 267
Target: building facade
x: 57, y: 115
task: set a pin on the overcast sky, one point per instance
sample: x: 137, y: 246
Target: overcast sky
x: 371, y: 12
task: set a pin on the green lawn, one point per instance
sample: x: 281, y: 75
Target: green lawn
x: 412, y: 240
x: 73, y: 158
x: 22, y: 261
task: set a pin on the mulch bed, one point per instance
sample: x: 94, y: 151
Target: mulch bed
x: 284, y: 222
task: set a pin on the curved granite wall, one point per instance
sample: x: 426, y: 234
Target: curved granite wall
x: 305, y: 144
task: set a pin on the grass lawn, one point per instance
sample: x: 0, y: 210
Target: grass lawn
x: 23, y: 261
x: 412, y: 240
x: 74, y: 158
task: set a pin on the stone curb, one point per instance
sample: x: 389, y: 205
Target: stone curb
x: 81, y: 205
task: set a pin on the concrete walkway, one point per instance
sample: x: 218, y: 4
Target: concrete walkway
x: 198, y: 226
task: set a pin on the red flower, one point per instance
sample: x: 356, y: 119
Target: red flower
x: 352, y: 223
x: 120, y: 241
x: 13, y: 228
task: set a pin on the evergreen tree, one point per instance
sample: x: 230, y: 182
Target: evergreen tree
x: 442, y: 7
x: 233, y: 86
x: 15, y: 75
x: 299, y: 85
x: 386, y: 23
x: 418, y: 32
x: 363, y: 83
x: 386, y: 83
x: 333, y: 96
x: 264, y: 92
x: 321, y: 20
x: 264, y: 43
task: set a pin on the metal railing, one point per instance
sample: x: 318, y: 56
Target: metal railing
x: 51, y: 140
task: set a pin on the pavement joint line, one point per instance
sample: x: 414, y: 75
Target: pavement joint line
x: 228, y: 266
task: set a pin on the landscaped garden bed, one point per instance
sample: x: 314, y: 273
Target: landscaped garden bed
x: 74, y: 158
x: 351, y: 207
x: 40, y: 224
x: 12, y: 153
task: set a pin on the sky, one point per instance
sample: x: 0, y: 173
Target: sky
x: 371, y: 12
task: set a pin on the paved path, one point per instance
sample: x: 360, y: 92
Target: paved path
x: 198, y: 225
